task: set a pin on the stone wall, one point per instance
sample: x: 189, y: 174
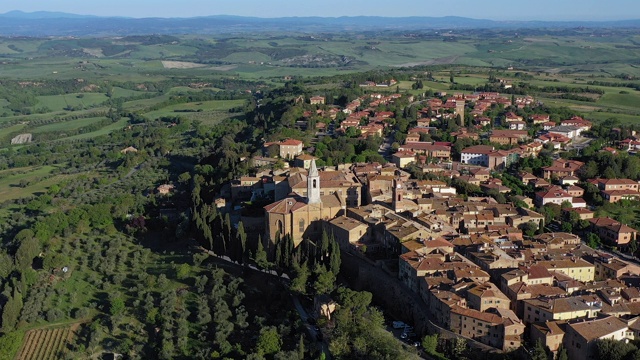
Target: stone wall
x: 395, y: 297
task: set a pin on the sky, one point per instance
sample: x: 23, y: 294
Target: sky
x: 489, y: 9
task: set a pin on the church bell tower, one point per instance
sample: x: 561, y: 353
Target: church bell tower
x: 313, y: 184
x: 397, y: 196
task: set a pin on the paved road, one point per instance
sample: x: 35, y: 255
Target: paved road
x: 579, y: 143
x: 132, y: 171
x: 296, y: 301
x: 385, y: 148
x: 312, y: 332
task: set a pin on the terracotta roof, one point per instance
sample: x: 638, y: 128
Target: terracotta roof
x: 536, y: 289
x: 616, y: 181
x: 612, y: 225
x: 538, y: 272
x: 478, y: 315
x: 550, y: 327
x: 598, y: 328
x: 553, y: 192
x: 331, y: 201
x: 305, y: 157
x: 509, y: 133
x: 487, y: 290
x: 478, y: 149
x: 285, y: 206
x: 560, y: 305
x: 621, y: 192
x: 425, y: 146
x: 346, y: 223
x: 292, y: 142
x: 631, y: 293
x: 564, y: 264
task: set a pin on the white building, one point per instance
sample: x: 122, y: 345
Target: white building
x: 568, y: 131
x: 476, y: 155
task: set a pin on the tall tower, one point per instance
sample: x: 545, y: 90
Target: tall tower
x: 398, y: 193
x: 313, y: 184
x: 460, y: 111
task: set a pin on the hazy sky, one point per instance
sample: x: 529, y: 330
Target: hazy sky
x: 488, y: 9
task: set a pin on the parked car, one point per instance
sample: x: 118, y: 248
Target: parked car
x: 398, y: 324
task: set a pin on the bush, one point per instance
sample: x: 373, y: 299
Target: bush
x: 10, y: 344
x: 54, y: 315
x: 80, y: 313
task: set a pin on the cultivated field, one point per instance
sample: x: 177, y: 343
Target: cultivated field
x: 181, y: 65
x: 46, y: 344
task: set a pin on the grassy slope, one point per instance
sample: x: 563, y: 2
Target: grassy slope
x: 105, y: 130
x: 67, y: 125
x: 38, y: 178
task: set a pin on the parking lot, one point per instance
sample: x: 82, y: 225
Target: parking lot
x: 405, y: 333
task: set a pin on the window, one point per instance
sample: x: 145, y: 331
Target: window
x: 315, y: 183
x: 301, y: 227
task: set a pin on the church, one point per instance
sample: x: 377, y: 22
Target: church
x: 301, y: 217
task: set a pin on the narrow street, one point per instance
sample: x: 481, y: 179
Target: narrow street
x: 310, y: 330
x: 385, y: 148
x: 304, y: 316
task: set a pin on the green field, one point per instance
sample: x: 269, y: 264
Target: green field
x: 209, y: 112
x: 38, y: 179
x: 120, y: 124
x: 67, y: 125
x: 7, y: 133
x: 271, y: 56
x: 62, y: 102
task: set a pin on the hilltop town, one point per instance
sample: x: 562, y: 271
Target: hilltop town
x: 486, y: 206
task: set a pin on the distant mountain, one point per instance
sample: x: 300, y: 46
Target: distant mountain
x: 17, y: 23
x: 16, y: 14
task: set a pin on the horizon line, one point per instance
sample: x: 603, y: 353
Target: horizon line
x: 314, y: 16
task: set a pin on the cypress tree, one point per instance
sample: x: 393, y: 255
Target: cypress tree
x: 334, y: 258
x: 260, y: 255
x: 301, y: 347
x: 241, y: 243
x: 11, y: 311
x: 324, y: 246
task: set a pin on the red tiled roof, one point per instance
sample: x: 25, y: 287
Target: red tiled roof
x: 293, y: 142
x: 478, y: 149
